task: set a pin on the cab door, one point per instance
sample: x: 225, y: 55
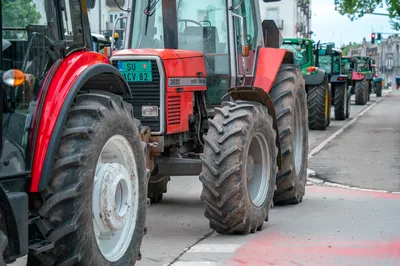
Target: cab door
x: 244, y: 40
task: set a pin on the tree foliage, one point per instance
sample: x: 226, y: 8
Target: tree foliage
x: 355, y: 9
x: 19, y: 13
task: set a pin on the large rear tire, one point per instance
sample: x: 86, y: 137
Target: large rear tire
x: 318, y: 106
x: 290, y: 103
x: 360, y: 91
x: 239, y: 168
x: 378, y: 89
x: 3, y: 246
x: 340, y: 102
x: 98, y: 186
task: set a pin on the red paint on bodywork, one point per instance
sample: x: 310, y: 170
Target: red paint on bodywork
x: 269, y: 62
x: 357, y: 76
x: 177, y: 64
x: 280, y: 249
x: 64, y: 77
x: 164, y: 54
x: 178, y: 109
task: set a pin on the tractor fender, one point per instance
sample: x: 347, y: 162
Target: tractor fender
x: 356, y: 76
x: 88, y: 70
x: 315, y: 79
x: 255, y: 94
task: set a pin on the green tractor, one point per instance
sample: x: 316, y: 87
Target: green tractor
x: 330, y: 60
x: 363, y: 91
x: 316, y: 81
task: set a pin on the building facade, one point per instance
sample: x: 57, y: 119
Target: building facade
x: 386, y: 56
x: 293, y: 17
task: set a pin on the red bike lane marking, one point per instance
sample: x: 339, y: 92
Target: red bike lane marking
x: 278, y: 249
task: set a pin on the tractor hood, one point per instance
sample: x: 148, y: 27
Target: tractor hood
x: 165, y: 54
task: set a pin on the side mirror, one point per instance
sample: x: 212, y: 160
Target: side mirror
x: 329, y: 49
x: 90, y: 4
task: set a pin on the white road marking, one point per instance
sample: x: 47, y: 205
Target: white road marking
x: 214, y: 248
x: 337, y: 133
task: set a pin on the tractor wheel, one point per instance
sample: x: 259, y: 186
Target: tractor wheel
x: 239, y: 168
x: 94, y: 207
x: 290, y: 103
x: 157, y: 188
x: 318, y: 106
x: 369, y: 91
x: 348, y: 105
x: 330, y: 106
x: 360, y: 92
x: 340, y: 102
x: 378, y: 89
x: 3, y: 246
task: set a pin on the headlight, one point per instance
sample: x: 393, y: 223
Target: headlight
x: 150, y: 111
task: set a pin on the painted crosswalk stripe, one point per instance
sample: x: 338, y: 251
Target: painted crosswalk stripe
x: 195, y: 263
x: 215, y: 248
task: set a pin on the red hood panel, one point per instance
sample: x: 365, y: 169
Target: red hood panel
x: 165, y: 54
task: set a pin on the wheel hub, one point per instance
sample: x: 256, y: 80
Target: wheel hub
x: 112, y: 196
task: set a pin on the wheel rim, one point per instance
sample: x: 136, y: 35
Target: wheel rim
x: 258, y: 169
x: 115, y: 198
x: 298, y: 137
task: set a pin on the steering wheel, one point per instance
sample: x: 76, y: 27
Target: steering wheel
x: 197, y: 23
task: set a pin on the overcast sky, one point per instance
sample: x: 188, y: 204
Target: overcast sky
x: 328, y: 24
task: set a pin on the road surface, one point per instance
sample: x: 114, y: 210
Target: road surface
x: 332, y: 225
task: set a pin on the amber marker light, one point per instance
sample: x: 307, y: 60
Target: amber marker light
x: 14, y: 78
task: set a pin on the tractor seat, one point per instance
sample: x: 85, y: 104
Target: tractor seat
x: 191, y: 38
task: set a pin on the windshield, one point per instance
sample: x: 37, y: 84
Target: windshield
x: 299, y: 51
x: 336, y: 64
x: 362, y: 65
x: 201, y: 25
x: 348, y: 65
x: 325, y: 62
x: 28, y: 30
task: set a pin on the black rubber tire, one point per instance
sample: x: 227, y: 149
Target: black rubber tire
x: 330, y: 106
x: 369, y: 91
x: 360, y: 92
x: 340, y: 101
x: 378, y: 89
x: 3, y: 246
x: 287, y: 89
x: 228, y: 206
x: 66, y: 213
x: 348, y: 110
x: 156, y: 190
x: 317, y: 116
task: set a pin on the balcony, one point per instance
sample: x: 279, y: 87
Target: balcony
x: 111, y: 3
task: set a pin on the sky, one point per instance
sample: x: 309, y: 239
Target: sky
x: 328, y: 25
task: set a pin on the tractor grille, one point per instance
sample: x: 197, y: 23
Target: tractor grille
x: 146, y: 93
x: 174, y: 110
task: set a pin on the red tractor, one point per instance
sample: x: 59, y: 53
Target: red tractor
x: 73, y: 176
x: 217, y: 98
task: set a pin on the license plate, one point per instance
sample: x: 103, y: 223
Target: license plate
x: 136, y: 71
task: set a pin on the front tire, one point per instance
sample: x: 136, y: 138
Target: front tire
x: 239, y: 168
x: 290, y: 103
x: 340, y: 102
x: 98, y: 186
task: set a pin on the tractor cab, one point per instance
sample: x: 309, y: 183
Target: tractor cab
x: 99, y: 42
x: 330, y: 59
x: 302, y: 50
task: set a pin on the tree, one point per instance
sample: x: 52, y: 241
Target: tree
x: 355, y: 9
x: 18, y: 13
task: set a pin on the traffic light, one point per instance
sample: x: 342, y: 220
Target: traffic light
x: 379, y: 40
x: 372, y: 38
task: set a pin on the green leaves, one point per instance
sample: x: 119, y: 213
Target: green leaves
x: 19, y: 13
x: 355, y: 9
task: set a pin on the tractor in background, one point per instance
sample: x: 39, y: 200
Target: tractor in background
x: 316, y: 81
x: 356, y: 79
x: 215, y: 97
x: 364, y: 88
x: 73, y: 178
x: 330, y: 59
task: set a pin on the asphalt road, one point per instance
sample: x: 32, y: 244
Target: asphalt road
x: 331, y: 225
